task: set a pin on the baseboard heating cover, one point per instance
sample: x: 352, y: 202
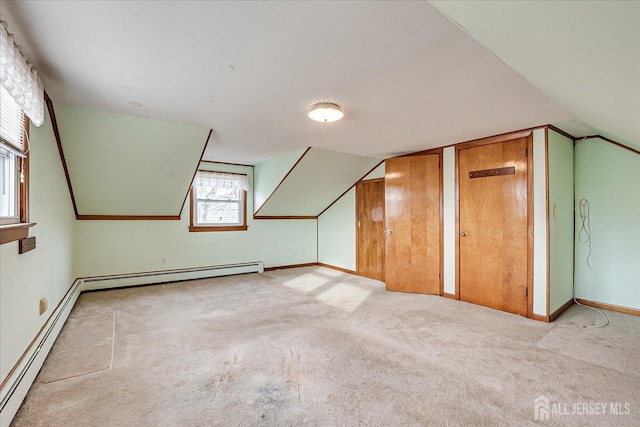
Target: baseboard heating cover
x: 149, y: 278
x: 17, y: 385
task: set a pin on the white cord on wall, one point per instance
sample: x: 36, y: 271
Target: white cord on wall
x: 585, y: 229
x: 584, y: 236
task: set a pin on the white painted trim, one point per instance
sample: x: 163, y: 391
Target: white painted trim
x: 19, y: 383
x: 449, y: 226
x: 22, y: 378
x: 539, y: 223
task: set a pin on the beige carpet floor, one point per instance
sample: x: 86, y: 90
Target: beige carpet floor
x: 317, y: 347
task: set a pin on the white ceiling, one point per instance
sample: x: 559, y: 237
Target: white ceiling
x: 583, y: 54
x: 408, y: 77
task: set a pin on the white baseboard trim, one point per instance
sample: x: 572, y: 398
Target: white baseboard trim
x: 18, y: 384
x: 165, y: 276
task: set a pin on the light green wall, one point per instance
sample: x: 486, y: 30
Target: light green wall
x: 127, y: 165
x: 337, y: 229
x: 114, y: 247
x: 46, y: 271
x: 316, y: 182
x: 609, y: 178
x: 269, y: 174
x: 376, y: 173
x: 540, y: 235
x: 337, y: 233
x: 560, y: 157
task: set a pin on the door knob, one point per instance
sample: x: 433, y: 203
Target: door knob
x: 463, y: 234
x: 388, y: 231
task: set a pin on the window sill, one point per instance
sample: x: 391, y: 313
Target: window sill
x: 13, y: 232
x: 205, y: 228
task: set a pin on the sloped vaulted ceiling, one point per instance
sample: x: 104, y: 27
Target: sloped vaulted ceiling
x: 583, y: 54
x: 408, y: 77
x: 122, y: 165
x: 317, y: 179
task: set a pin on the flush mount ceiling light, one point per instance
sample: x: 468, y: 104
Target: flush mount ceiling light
x: 326, y: 112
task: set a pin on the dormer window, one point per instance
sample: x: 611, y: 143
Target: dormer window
x: 218, y: 202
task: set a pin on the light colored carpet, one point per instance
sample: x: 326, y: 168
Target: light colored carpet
x: 84, y: 346
x: 313, y: 346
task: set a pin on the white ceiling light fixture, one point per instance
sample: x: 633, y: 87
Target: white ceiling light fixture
x: 326, y: 112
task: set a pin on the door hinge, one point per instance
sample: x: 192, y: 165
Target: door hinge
x: 526, y: 292
x: 526, y: 152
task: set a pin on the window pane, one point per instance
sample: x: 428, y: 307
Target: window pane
x: 11, y: 120
x: 218, y: 199
x: 8, y: 184
x: 223, y: 213
x: 217, y: 189
x: 220, y: 190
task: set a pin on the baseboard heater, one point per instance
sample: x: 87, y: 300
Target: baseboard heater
x: 149, y: 278
x: 16, y: 386
x: 18, y: 383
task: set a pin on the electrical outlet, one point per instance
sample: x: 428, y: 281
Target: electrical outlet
x: 304, y: 251
x: 163, y: 261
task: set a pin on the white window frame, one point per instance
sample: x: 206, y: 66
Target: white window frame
x: 22, y: 96
x: 13, y: 161
x: 9, y: 186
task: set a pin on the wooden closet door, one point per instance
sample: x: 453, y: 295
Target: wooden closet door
x: 412, y: 221
x: 370, y: 229
x: 493, y: 241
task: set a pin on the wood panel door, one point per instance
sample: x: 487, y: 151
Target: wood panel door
x: 370, y: 229
x: 412, y: 221
x: 493, y: 225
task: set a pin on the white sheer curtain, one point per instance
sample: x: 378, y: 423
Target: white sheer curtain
x: 211, y: 179
x: 21, y: 82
